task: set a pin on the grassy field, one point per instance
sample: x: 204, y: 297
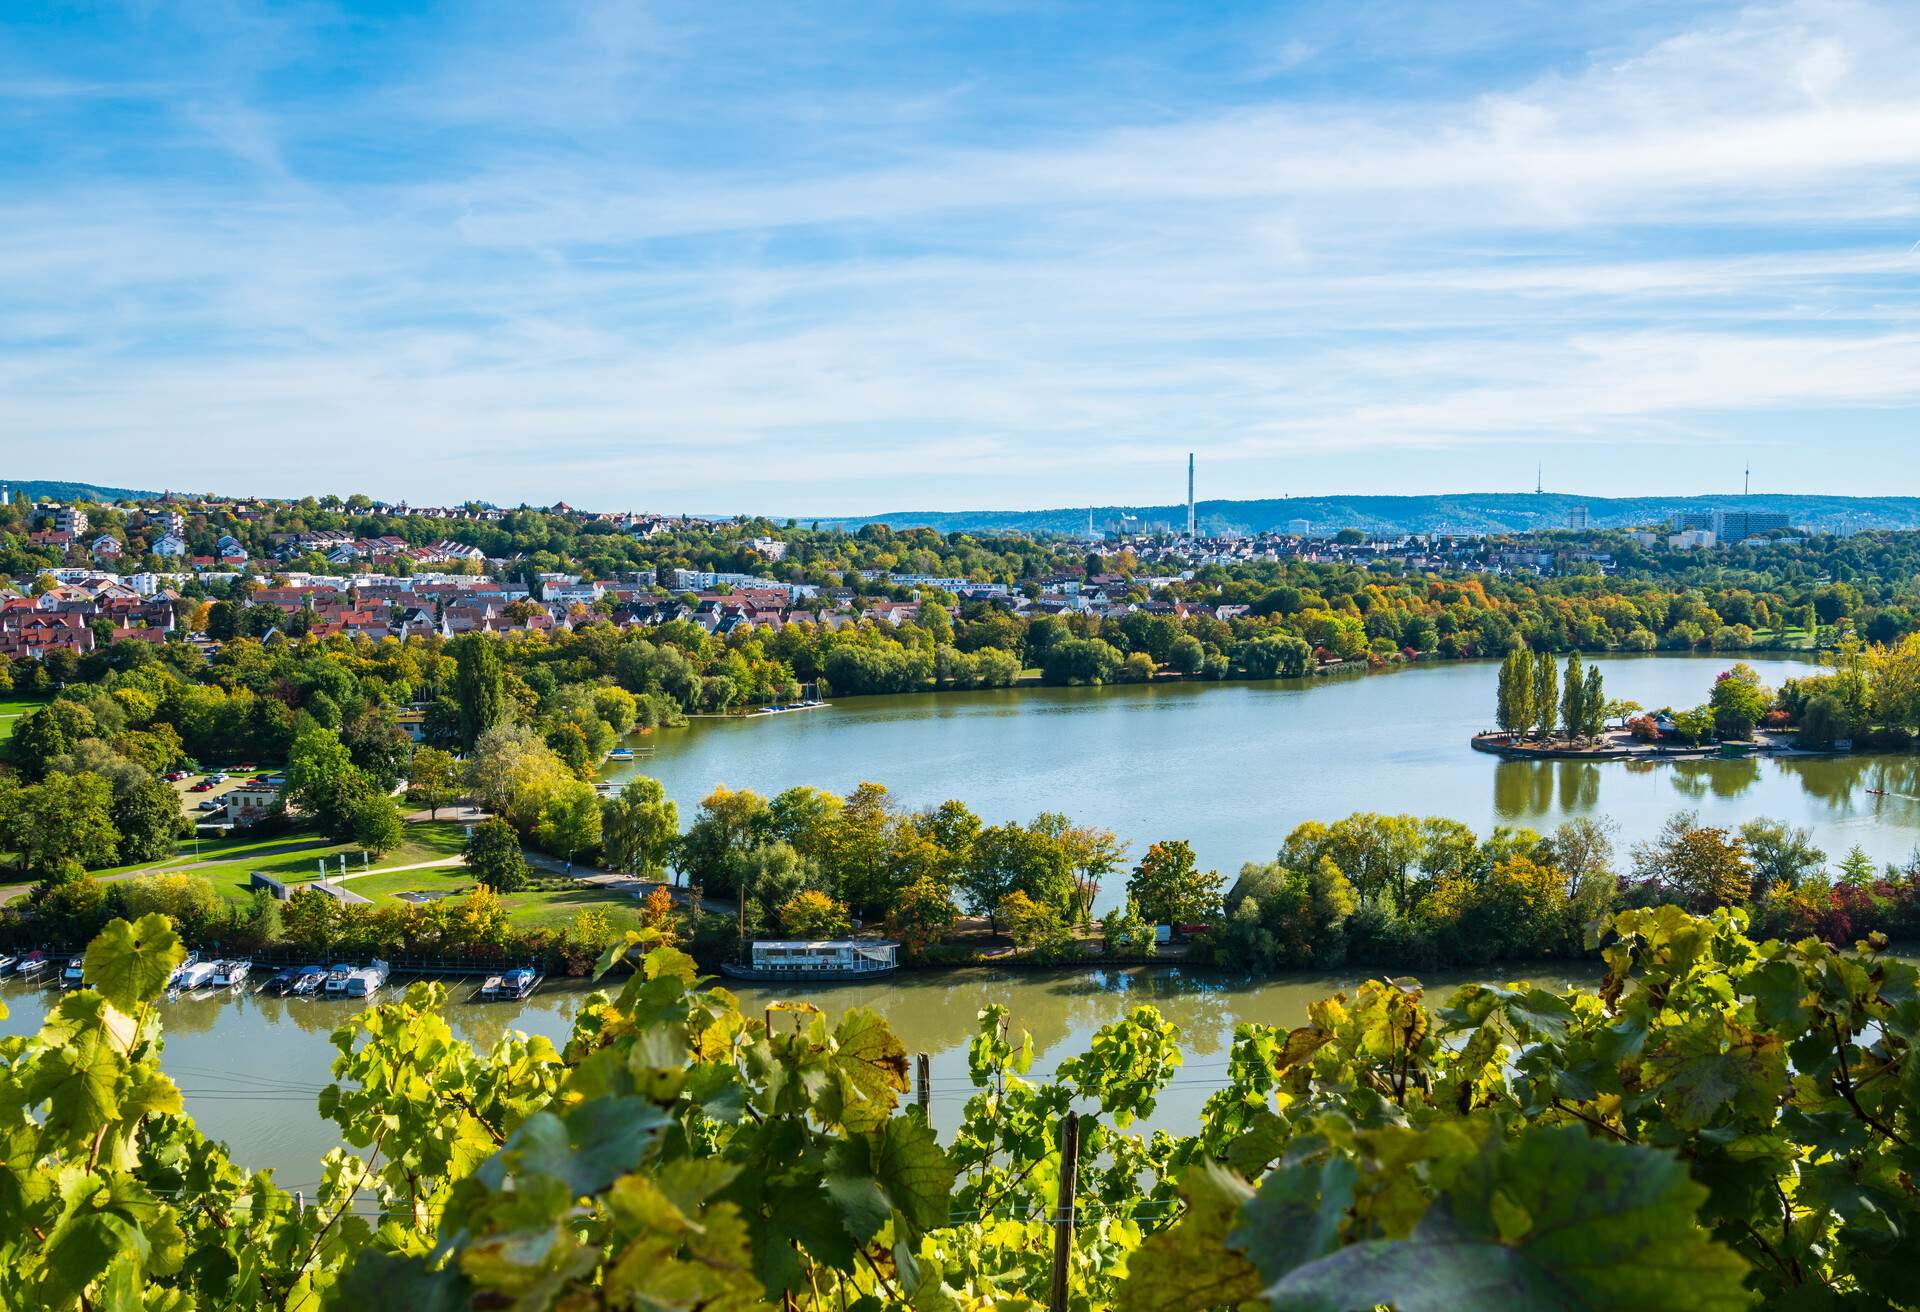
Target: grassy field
x: 549, y: 907
x: 295, y: 858
x: 12, y: 708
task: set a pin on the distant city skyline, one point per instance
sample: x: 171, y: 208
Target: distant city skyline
x: 842, y: 261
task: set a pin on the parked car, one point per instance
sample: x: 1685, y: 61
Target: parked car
x: 202, y: 787
x: 211, y: 805
x: 175, y: 776
x: 216, y: 778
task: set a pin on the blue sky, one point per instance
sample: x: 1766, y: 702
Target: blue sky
x: 833, y: 259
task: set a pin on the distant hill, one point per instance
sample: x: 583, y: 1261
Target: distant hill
x: 47, y: 490
x: 1467, y: 512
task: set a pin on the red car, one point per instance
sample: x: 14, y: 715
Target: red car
x: 202, y: 787
x: 175, y: 776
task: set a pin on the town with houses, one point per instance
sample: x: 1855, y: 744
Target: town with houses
x: 129, y: 585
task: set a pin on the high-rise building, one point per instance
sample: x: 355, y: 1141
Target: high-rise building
x: 1191, y: 526
x: 1577, y: 518
x: 1730, y: 526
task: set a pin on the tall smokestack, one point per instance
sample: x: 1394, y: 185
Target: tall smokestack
x: 1190, y: 523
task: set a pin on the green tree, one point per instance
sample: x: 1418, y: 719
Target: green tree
x: 638, y: 828
x: 62, y: 826
x: 1546, y: 694
x: 368, y: 817
x: 494, y: 858
x: 53, y: 730
x: 146, y: 815
x: 1514, y: 703
x: 479, y: 686
x: 433, y: 780
x: 1738, y: 702
x: 1574, y: 717
x: 1700, y: 867
x: 1857, y: 869
x: 1010, y: 858
x: 1168, y: 888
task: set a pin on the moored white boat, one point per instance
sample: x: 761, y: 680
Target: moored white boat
x: 367, y: 980
x: 231, y: 974
x: 198, y: 975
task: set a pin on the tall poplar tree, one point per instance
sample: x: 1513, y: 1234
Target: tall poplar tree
x: 479, y: 686
x: 1593, y: 706
x: 1513, y: 708
x: 1573, y: 698
x: 1546, y: 694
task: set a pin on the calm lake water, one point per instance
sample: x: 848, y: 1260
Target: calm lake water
x: 251, y: 1067
x: 1231, y: 768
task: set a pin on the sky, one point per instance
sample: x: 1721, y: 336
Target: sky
x: 836, y: 259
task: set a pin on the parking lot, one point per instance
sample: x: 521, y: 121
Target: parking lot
x: 191, y: 801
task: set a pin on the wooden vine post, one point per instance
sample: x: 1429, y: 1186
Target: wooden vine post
x: 1063, y: 1210
x: 923, y: 1085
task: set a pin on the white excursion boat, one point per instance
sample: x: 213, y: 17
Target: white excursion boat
x: 818, y: 961
x: 230, y: 974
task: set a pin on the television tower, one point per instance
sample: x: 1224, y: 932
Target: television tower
x: 1190, y: 523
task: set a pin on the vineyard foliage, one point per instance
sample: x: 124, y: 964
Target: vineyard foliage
x: 1722, y: 1124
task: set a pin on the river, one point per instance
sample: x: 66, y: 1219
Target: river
x: 1231, y: 768
x: 251, y: 1067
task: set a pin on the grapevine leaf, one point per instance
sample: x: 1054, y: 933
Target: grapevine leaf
x: 1188, y: 1266
x: 1552, y: 1222
x: 915, y: 1172
x: 1295, y: 1217
x: 130, y: 963
x: 597, y: 1142
x: 1708, y: 1065
x: 379, y: 1279
x: 665, y: 962
x: 872, y: 1063
x: 78, y: 1078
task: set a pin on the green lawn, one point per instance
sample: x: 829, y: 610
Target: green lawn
x: 546, y: 908
x: 231, y: 877
x: 12, y: 708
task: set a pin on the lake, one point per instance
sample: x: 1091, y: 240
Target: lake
x: 1233, y: 767
x: 1229, y: 767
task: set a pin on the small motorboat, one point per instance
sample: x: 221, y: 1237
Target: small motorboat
x: 231, y: 974
x: 366, y: 981
x: 75, y: 975
x: 7, y: 962
x: 337, y: 975
x: 280, y: 982
x: 620, y: 754
x: 307, y: 981
x: 31, y: 964
x: 175, y: 981
x: 518, y: 983
x: 198, y: 975
x: 491, y: 989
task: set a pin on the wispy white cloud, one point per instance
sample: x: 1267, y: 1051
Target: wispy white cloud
x: 528, y: 288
